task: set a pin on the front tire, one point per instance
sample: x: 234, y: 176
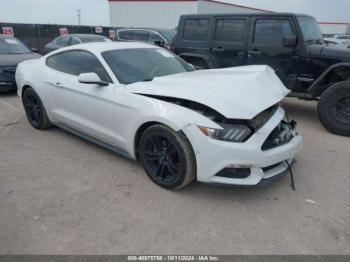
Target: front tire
x: 167, y: 157
x: 34, y: 109
x: 334, y: 109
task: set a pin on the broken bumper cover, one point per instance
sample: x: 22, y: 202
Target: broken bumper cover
x: 264, y: 166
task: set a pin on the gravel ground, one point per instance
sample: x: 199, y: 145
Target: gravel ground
x: 62, y: 195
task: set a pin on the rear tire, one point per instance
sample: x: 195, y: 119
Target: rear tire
x: 34, y: 109
x: 167, y: 157
x: 334, y: 109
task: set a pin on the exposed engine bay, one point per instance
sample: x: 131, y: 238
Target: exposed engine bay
x: 255, y: 124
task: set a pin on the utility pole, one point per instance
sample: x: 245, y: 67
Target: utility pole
x: 79, y: 16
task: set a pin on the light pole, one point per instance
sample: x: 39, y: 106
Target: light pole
x: 79, y: 16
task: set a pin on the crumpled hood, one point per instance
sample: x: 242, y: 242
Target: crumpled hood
x: 238, y: 92
x: 15, y: 59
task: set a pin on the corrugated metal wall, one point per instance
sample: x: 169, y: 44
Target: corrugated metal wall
x: 208, y: 7
x: 149, y: 14
x: 335, y: 28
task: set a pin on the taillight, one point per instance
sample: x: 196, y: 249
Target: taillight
x: 172, y: 49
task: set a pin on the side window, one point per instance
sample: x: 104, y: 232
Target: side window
x: 62, y: 41
x: 230, y: 30
x: 272, y: 31
x: 74, y: 41
x: 125, y: 35
x: 77, y: 62
x: 140, y: 35
x: 196, y: 29
x: 153, y: 37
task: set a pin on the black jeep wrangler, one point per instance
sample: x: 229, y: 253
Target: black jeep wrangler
x: 291, y: 44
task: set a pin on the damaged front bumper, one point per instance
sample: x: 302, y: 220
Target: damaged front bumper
x: 249, y: 163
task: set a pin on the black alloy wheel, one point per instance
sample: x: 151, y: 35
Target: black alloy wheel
x: 167, y: 157
x: 35, y: 110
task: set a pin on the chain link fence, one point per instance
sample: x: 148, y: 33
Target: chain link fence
x: 38, y: 35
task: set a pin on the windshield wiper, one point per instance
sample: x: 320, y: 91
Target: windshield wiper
x: 315, y: 41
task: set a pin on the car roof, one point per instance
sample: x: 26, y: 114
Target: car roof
x: 100, y: 47
x: 146, y: 28
x: 247, y: 14
x: 86, y: 35
x: 5, y: 36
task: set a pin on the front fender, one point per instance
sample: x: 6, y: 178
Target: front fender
x: 174, y: 116
x: 316, y: 86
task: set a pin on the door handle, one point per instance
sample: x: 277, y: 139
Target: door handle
x: 255, y: 52
x: 239, y: 53
x: 59, y: 84
x: 218, y: 49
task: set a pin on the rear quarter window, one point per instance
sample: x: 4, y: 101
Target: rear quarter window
x: 196, y: 29
x: 76, y: 62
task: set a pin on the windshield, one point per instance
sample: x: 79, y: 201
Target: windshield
x: 310, y: 29
x: 143, y: 64
x: 168, y: 34
x: 12, y: 46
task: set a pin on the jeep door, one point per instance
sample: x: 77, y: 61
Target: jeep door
x: 227, y: 47
x: 267, y: 46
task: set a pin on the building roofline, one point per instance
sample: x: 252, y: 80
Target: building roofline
x: 212, y: 1
x: 241, y: 6
x: 333, y: 23
x: 152, y: 0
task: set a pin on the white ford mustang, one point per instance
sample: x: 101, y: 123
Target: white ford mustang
x: 220, y: 126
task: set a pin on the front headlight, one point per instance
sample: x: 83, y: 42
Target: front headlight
x: 230, y: 133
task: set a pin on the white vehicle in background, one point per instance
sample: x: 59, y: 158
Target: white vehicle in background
x: 339, y: 39
x: 334, y: 43
x: 222, y: 126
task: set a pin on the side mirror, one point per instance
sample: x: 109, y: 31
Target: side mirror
x: 290, y: 41
x: 159, y: 43
x: 91, y: 78
x: 192, y: 66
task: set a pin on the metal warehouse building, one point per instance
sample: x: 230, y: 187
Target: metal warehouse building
x: 166, y: 13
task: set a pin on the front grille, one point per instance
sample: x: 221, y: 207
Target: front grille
x: 281, y: 135
x: 268, y: 168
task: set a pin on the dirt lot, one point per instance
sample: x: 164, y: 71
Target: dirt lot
x: 62, y: 195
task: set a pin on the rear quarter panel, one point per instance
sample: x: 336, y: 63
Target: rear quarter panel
x: 35, y: 74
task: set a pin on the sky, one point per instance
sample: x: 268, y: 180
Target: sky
x: 95, y: 12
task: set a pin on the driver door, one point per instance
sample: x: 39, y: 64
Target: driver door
x: 84, y: 108
x: 266, y: 47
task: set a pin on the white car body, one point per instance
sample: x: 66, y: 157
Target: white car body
x: 340, y: 39
x: 112, y: 115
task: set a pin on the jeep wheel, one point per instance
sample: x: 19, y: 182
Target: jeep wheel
x: 334, y: 109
